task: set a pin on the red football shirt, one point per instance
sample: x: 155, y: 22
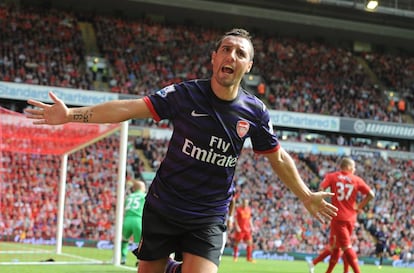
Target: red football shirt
x: 243, y: 218
x: 346, y: 187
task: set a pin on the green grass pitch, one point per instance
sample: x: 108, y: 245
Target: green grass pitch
x: 227, y: 264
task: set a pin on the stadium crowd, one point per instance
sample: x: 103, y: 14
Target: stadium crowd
x: 46, y: 48
x: 42, y: 47
x: 281, y: 222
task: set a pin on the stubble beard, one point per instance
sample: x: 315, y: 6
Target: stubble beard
x: 225, y: 80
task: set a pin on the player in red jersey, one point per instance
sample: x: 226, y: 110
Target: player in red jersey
x: 346, y: 186
x: 244, y: 230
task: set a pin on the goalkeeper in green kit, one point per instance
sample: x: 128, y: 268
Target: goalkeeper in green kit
x: 134, y: 204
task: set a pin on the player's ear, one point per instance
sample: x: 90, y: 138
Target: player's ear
x: 213, y: 55
x: 249, y: 67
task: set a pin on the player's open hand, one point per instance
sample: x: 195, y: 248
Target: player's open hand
x: 52, y: 114
x: 319, y: 207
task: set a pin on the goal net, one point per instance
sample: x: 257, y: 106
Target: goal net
x: 59, y: 188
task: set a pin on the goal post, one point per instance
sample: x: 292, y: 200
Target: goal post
x: 120, y: 192
x: 19, y: 136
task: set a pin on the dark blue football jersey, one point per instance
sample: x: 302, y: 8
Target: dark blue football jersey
x: 381, y: 237
x: 194, y: 182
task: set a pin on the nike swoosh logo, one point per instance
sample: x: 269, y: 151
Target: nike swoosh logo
x: 195, y: 114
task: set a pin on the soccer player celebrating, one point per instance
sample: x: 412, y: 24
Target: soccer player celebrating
x: 188, y: 200
x: 346, y: 186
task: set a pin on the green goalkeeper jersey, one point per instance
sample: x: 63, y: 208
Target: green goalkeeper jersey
x: 134, y: 204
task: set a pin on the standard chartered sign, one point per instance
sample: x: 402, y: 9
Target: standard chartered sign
x: 70, y: 96
x: 305, y: 121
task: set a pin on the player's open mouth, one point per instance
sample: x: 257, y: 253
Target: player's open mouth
x: 227, y: 69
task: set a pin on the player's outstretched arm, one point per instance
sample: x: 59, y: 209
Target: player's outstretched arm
x: 318, y: 207
x: 54, y: 114
x: 284, y: 166
x: 107, y: 112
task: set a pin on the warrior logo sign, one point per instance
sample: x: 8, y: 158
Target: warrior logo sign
x: 242, y: 128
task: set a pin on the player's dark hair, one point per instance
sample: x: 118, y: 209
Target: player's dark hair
x: 239, y: 32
